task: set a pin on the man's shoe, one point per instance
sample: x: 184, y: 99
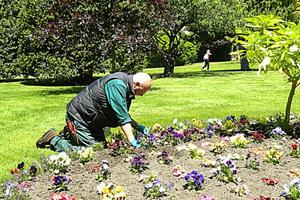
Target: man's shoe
x: 46, y: 138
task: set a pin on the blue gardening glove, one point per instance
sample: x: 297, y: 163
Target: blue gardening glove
x: 135, y: 143
x: 143, y: 129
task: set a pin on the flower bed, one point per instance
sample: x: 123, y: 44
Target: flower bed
x: 219, y: 159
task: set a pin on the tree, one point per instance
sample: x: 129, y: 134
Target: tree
x: 17, y: 20
x: 274, y: 44
x: 251, y: 8
x: 72, y: 39
x: 190, y: 20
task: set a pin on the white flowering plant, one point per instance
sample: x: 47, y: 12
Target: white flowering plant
x: 291, y: 190
x: 274, y: 44
x: 239, y: 141
x: 195, y: 152
x: 86, y: 154
x: 58, y: 162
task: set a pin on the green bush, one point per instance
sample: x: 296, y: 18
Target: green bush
x: 188, y: 53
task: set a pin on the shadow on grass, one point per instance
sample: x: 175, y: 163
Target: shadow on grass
x: 62, y: 91
x: 15, y: 80
x: 195, y: 74
x: 36, y: 82
x: 155, y: 88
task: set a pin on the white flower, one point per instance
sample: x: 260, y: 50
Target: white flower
x: 180, y: 124
x: 192, y: 147
x: 162, y: 189
x: 266, y: 61
x: 295, y: 181
x: 149, y: 185
x: 294, y: 48
x: 142, y: 177
x: 286, y: 188
x: 234, y: 156
x: 175, y: 121
x: 52, y: 158
x: 100, y: 187
x: 181, y: 147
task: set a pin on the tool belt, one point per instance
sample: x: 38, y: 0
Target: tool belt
x: 72, y: 131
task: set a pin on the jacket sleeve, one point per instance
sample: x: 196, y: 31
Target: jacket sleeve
x: 115, y: 91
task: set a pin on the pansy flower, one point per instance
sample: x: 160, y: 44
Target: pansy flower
x: 270, y: 181
x: 177, y: 170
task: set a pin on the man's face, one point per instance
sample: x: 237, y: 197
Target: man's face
x: 140, y: 89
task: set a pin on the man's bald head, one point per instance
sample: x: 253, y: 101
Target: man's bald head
x: 141, y: 83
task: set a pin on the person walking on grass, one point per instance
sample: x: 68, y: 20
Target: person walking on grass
x: 206, y: 59
x: 104, y: 103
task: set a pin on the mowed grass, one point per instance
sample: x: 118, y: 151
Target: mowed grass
x: 26, y: 112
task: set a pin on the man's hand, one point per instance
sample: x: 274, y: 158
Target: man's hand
x: 143, y: 129
x: 135, y: 143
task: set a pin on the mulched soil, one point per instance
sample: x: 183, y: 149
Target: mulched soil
x: 84, y: 183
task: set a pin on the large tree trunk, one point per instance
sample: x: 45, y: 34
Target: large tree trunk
x: 244, y: 64
x: 289, y: 103
x: 168, y: 65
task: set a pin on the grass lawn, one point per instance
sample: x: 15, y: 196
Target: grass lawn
x: 28, y: 111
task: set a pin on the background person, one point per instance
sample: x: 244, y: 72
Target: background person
x: 104, y: 103
x: 206, y: 59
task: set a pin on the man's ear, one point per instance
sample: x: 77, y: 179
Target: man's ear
x: 138, y: 84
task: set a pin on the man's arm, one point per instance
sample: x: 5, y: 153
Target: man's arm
x: 115, y: 91
x: 127, y: 129
x: 116, y: 95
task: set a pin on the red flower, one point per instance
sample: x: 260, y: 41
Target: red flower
x: 244, y: 121
x: 270, y: 181
x: 294, y: 146
x: 264, y: 198
x: 258, y: 136
x: 57, y: 196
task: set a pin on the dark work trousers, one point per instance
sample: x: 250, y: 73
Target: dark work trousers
x: 206, y: 64
x: 63, y: 142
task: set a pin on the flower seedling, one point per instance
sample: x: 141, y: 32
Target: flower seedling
x: 295, y: 150
x: 292, y: 190
x: 194, y: 180
x: 60, y: 183
x: 118, y: 148
x: 208, y: 162
x: 58, y: 162
x: 105, y: 173
x: 252, y: 163
x: 226, y: 171
x: 164, y: 158
x: 205, y: 197
x: 153, y: 187
x: 277, y: 133
x: 149, y: 141
x: 258, y: 136
x: 178, y: 171
x: 239, y: 141
x: 264, y: 198
x: 85, y: 154
x: 219, y: 147
x: 294, y: 173
x: 240, y: 190
x: 139, y: 163
x: 273, y: 156
x: 59, y: 196
x: 195, y: 152
x: 111, y: 192
x: 269, y: 181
